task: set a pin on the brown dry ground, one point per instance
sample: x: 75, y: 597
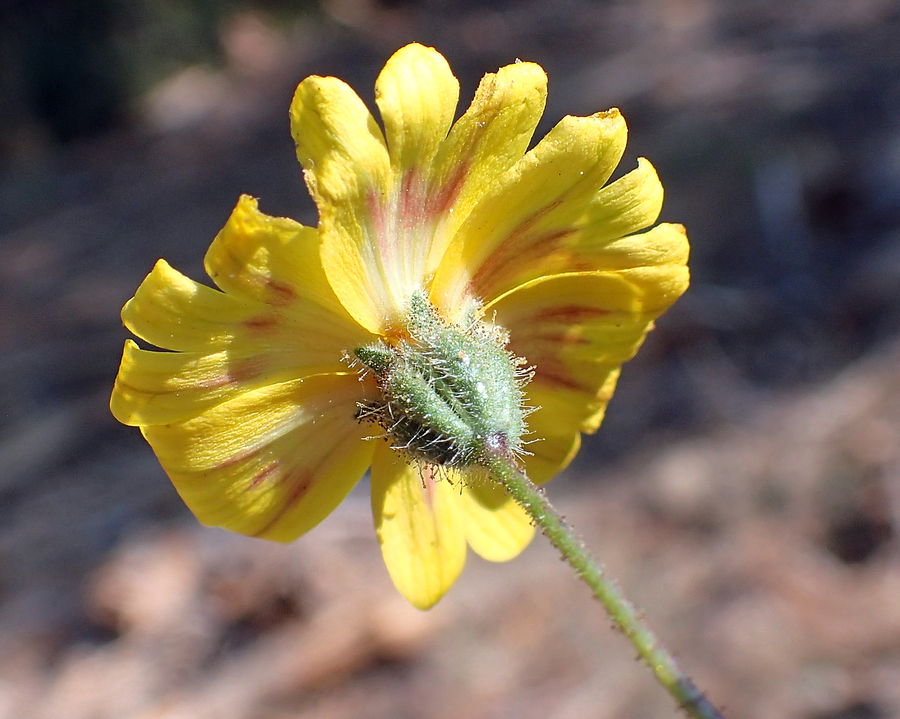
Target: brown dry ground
x: 745, y: 488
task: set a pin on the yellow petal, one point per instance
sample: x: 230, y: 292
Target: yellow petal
x: 576, y: 330
x: 627, y: 205
x: 164, y: 387
x: 497, y: 528
x: 161, y: 387
x: 338, y: 141
x: 664, y: 246
x: 483, y: 144
x: 274, y: 261
x: 277, y: 319
x: 547, y: 190
x: 421, y: 525
x: 434, y: 197
x: 172, y: 311
x: 262, y: 258
x: 579, y: 234
x: 386, y: 251
x: 566, y: 405
x: 349, y: 175
x: 384, y: 229
x: 416, y: 94
x: 272, y: 462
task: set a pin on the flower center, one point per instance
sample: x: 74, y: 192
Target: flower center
x: 451, y: 395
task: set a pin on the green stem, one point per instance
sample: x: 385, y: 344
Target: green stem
x: 621, y: 611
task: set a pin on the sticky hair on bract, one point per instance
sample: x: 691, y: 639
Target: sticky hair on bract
x: 451, y: 395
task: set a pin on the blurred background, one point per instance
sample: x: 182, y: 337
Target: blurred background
x: 745, y: 487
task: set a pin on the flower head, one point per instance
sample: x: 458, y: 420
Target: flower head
x: 429, y: 230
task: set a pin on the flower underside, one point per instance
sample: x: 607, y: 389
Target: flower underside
x: 427, y: 225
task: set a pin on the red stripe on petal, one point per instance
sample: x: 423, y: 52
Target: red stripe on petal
x: 221, y: 380
x: 239, y: 371
x: 280, y: 293
x: 236, y: 459
x: 559, y: 337
x: 441, y: 201
x: 264, y: 324
x: 264, y: 474
x: 412, y: 200
x: 514, y: 253
x: 550, y: 370
x: 556, y: 378
x: 428, y: 481
x: 377, y: 217
x: 298, y: 483
x: 570, y: 314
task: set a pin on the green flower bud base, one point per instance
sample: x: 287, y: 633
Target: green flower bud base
x: 451, y: 395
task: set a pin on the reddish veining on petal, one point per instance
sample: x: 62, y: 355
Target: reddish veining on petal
x: 412, y: 200
x: 298, y: 483
x: 441, y: 201
x: 248, y: 369
x: 280, y: 293
x: 519, y: 249
x: 428, y: 489
x: 238, y: 371
x: 515, y: 252
x: 560, y: 338
x: 237, y: 459
x: 221, y: 380
x: 264, y: 474
x: 263, y: 324
x: 376, y: 209
x: 551, y: 372
x: 570, y: 314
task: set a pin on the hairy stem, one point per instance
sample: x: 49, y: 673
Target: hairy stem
x: 621, y: 611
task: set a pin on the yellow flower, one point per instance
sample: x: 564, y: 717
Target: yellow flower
x: 253, y: 414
